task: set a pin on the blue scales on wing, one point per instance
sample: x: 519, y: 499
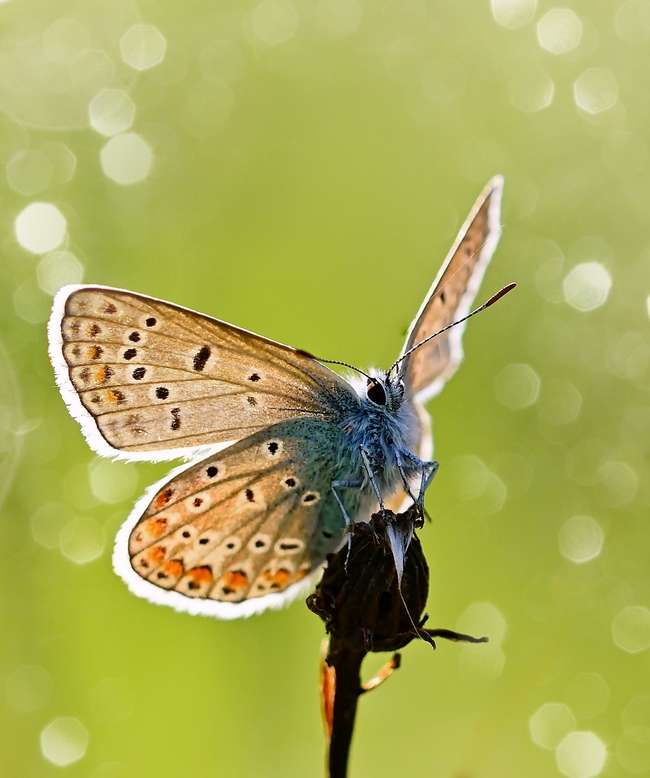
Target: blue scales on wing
x: 250, y: 521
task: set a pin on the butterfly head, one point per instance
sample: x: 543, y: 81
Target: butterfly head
x: 384, y: 391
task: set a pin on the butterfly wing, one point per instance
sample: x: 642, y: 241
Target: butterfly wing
x: 150, y: 380
x: 244, y: 529
x: 426, y: 370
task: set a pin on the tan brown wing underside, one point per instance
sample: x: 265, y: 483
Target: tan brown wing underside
x: 151, y: 376
x: 249, y: 521
x: 450, y: 297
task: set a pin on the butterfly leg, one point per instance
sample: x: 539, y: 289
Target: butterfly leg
x: 428, y: 470
x: 348, y: 521
x: 337, y: 497
x: 405, y: 481
x: 371, y: 478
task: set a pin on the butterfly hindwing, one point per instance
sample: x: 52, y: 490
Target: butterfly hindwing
x: 451, y: 295
x: 242, y: 530
x: 150, y: 380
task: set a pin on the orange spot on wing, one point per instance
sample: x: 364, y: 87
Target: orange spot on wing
x: 279, y: 580
x: 156, y: 554
x: 162, y: 498
x: 234, y: 581
x: 199, y: 576
x: 156, y: 527
x: 102, y: 373
x: 173, y: 568
x: 301, y: 574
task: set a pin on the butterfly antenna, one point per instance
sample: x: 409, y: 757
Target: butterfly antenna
x: 345, y: 364
x: 501, y: 293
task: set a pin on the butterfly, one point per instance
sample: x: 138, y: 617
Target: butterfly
x: 284, y: 452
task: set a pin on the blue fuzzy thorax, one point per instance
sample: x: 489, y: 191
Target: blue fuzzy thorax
x: 382, y: 431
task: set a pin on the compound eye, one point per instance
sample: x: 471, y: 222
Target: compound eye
x: 375, y: 392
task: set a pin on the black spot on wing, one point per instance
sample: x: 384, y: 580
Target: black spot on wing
x: 162, y: 392
x: 176, y: 419
x: 201, y: 357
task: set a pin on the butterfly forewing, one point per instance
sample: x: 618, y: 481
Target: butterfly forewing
x: 150, y: 376
x: 245, y: 524
x: 450, y: 297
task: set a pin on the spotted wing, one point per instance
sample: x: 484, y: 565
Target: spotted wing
x: 151, y: 380
x: 244, y: 529
x: 427, y: 369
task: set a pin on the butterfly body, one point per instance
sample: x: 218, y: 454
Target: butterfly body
x: 283, y: 451
x: 388, y: 429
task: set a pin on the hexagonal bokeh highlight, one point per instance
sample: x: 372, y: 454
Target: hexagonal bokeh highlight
x: 275, y: 21
x: 29, y: 172
x: 588, y: 695
x: 82, y: 540
x: 111, y: 700
x: 112, y: 482
x: 40, y: 227
x: 57, y: 269
x: 517, y: 386
x: 559, y: 30
x: 143, y: 46
x: 550, y: 724
x: 632, y: 21
x: 631, y: 629
x: 126, y: 159
x: 581, y: 755
x: 513, y: 13
x: 48, y: 522
x: 581, y: 539
x: 595, y: 91
x: 633, y: 754
x: 615, y: 483
x: 483, y: 618
x: 587, y: 286
x: 64, y: 741
x: 636, y: 719
x: 561, y: 403
x: 31, y: 304
x: 531, y: 91
x: 92, y: 71
x: 65, y: 39
x: 63, y: 161
x: 112, y: 111
x: 29, y: 688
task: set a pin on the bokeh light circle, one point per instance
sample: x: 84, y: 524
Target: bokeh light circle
x: 517, y: 386
x: 581, y: 755
x: 581, y: 539
x: 41, y: 227
x: 143, y: 46
x: 631, y: 629
x: 126, y: 159
x: 559, y: 30
x: 64, y: 741
x: 587, y: 286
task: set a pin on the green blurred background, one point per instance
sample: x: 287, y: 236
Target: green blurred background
x: 300, y: 168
